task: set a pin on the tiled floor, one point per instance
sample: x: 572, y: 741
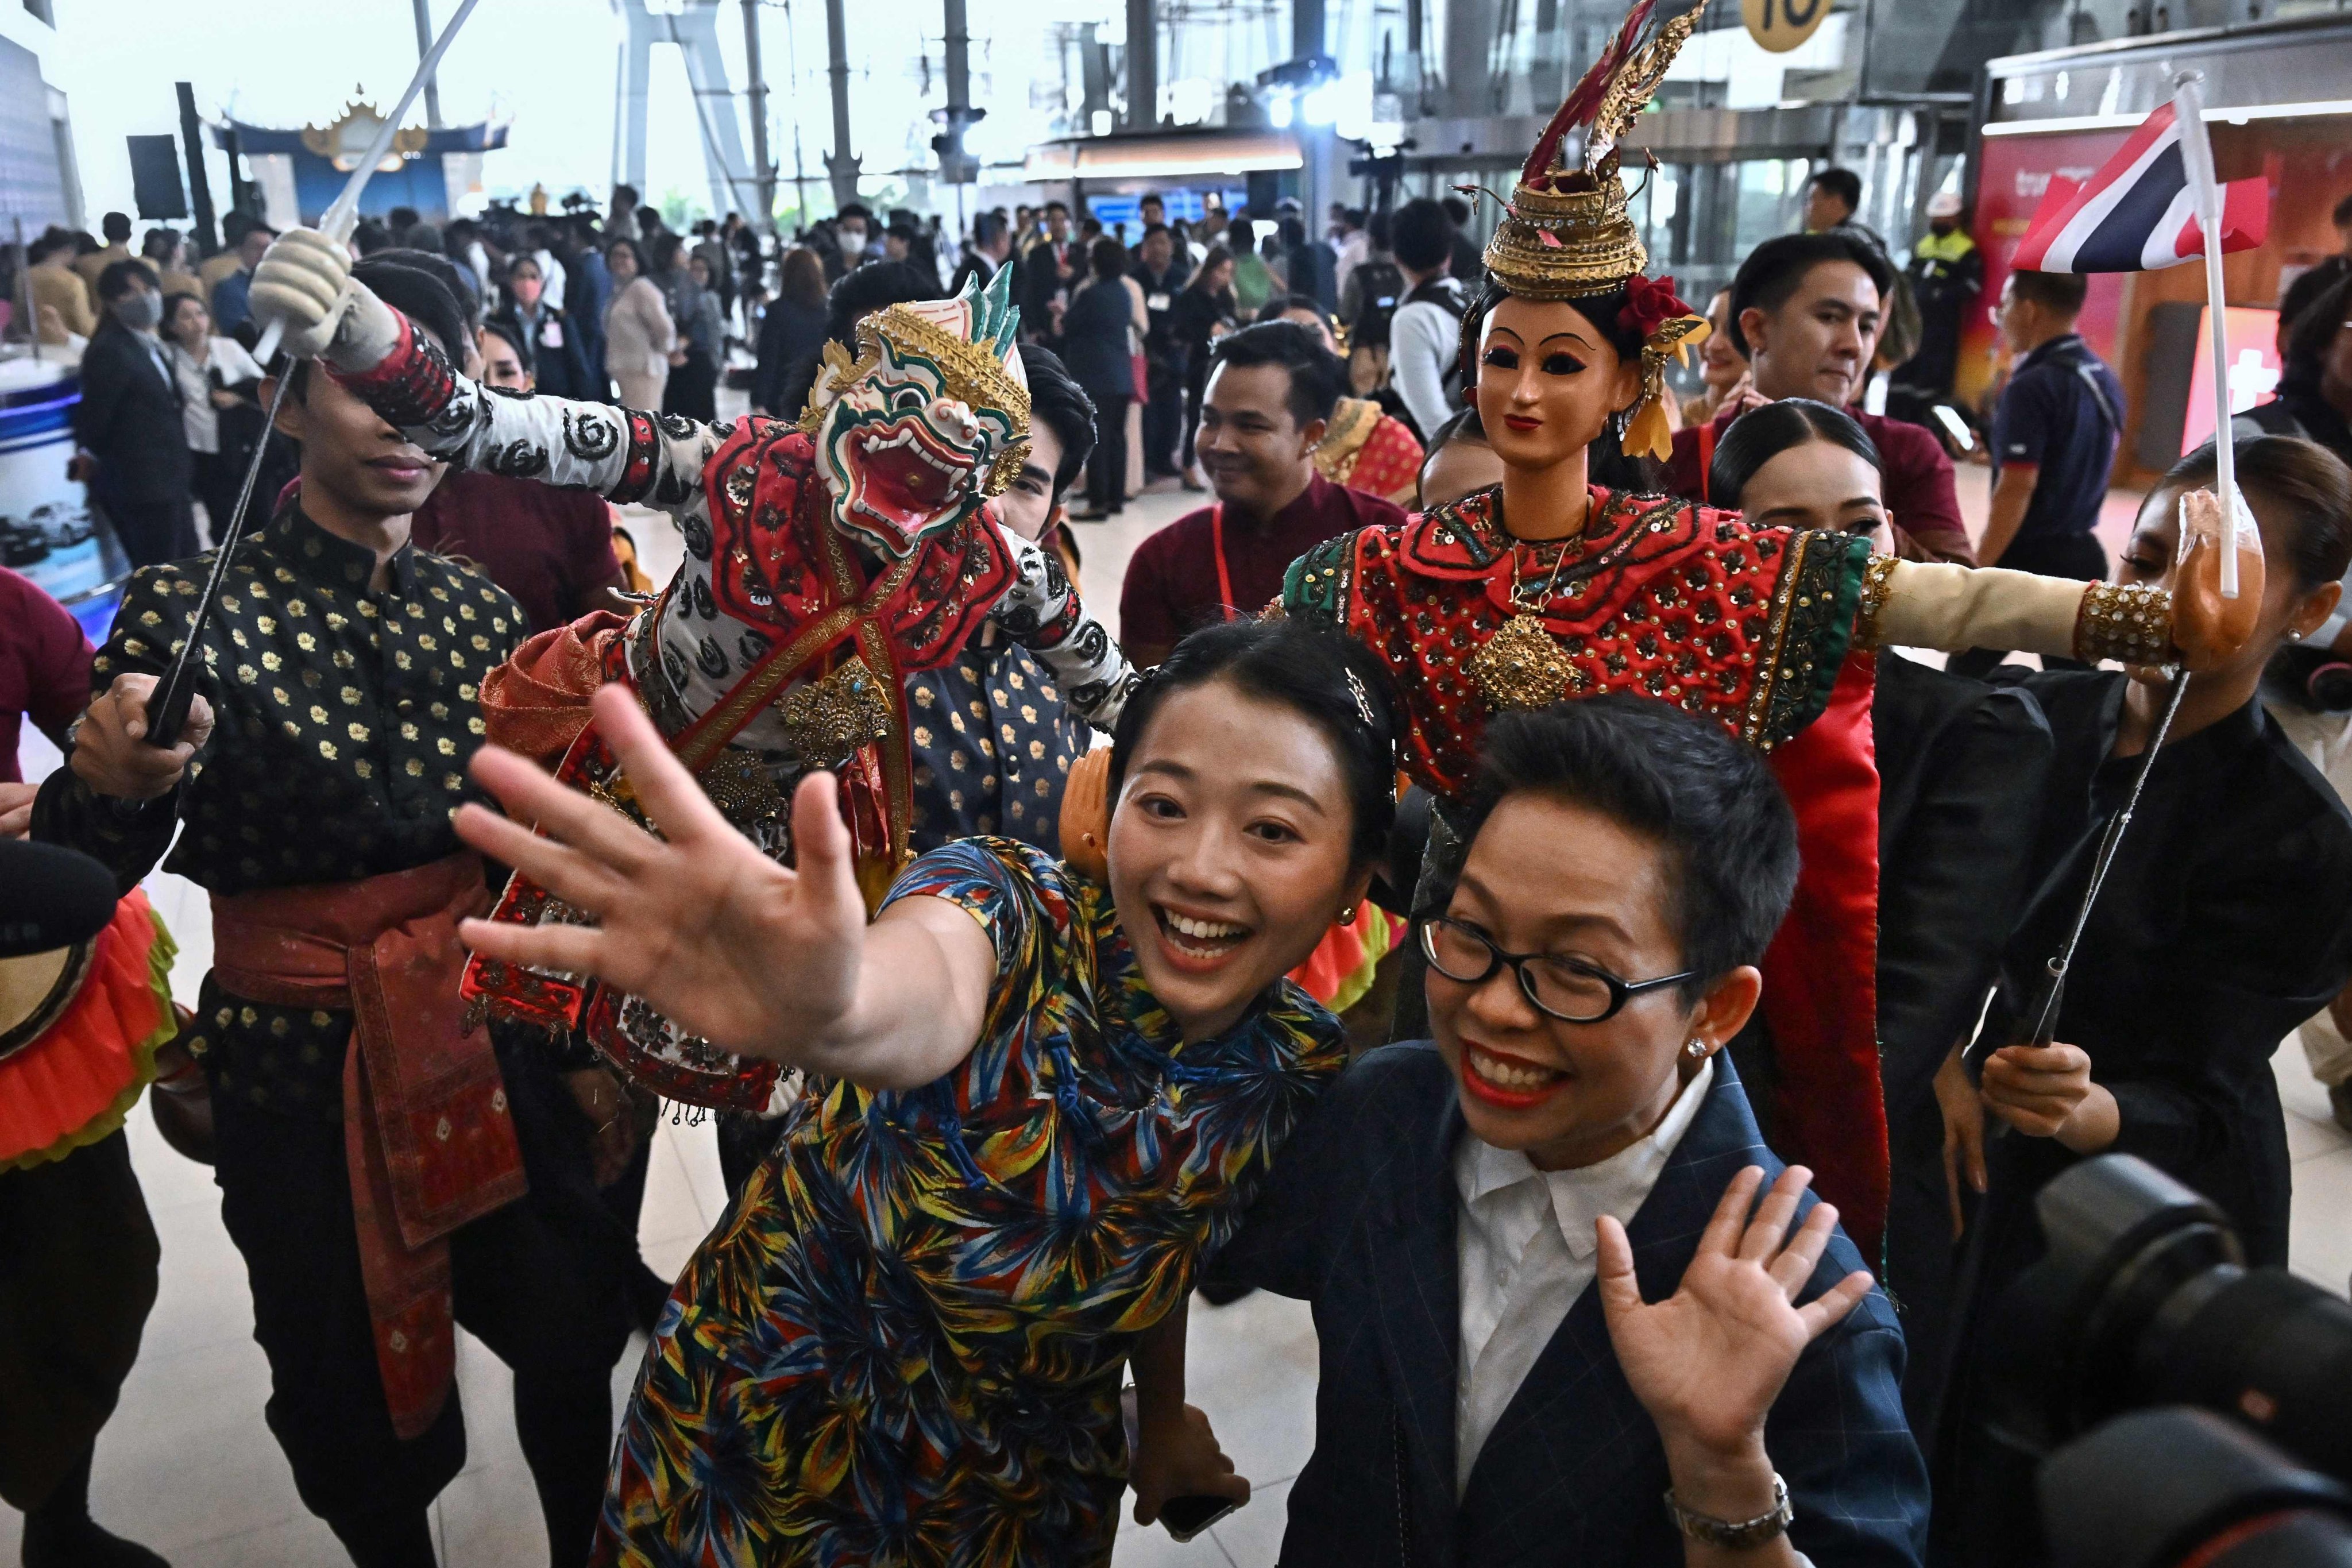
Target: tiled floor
x: 188, y: 1466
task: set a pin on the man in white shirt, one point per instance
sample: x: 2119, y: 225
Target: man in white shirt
x: 1425, y: 334
x: 1479, y: 1220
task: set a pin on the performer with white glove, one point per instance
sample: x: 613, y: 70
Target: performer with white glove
x: 825, y: 562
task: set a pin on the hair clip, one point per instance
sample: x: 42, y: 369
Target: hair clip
x: 1363, y: 699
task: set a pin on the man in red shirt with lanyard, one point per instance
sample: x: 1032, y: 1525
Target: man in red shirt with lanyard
x: 1270, y: 393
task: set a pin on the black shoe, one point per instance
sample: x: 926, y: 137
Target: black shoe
x: 81, y: 1543
x: 649, y: 1292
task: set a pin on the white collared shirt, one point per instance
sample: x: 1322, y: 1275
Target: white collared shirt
x: 1526, y: 1250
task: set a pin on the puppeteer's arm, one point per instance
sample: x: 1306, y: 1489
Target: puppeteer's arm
x: 626, y: 455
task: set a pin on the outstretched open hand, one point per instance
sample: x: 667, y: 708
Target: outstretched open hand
x: 1708, y: 1361
x: 750, y: 955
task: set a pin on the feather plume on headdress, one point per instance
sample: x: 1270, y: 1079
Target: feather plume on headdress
x: 1584, y: 101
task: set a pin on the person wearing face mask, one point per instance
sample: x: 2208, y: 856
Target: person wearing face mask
x: 1961, y: 770
x: 1806, y: 310
x: 2223, y: 923
x: 553, y: 357
x: 310, y: 796
x: 1545, y: 1290
x: 1265, y: 409
x: 1014, y: 1057
x: 129, y: 422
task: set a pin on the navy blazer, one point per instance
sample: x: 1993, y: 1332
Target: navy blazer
x: 1358, y: 1218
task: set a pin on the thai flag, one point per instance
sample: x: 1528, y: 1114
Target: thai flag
x: 2138, y: 212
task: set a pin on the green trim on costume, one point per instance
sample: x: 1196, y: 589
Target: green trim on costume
x: 1825, y: 588
x: 107, y: 1123
x: 1314, y: 586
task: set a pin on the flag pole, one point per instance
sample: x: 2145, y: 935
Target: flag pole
x: 2197, y: 154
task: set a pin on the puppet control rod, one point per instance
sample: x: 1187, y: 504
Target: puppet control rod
x: 167, y: 708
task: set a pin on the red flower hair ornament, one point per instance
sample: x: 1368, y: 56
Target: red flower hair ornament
x: 1651, y: 303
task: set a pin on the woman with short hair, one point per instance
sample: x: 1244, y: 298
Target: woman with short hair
x: 639, y: 335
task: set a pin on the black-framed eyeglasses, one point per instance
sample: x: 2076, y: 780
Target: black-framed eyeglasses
x: 1567, y: 989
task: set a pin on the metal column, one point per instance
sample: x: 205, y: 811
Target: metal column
x: 1143, y: 63
x: 841, y: 164
x: 423, y: 47
x: 763, y: 169
x: 200, y: 182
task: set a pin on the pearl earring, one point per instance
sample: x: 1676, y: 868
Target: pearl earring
x: 1695, y: 1051
x: 2293, y: 636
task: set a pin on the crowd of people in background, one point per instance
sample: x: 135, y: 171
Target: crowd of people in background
x: 1309, y: 384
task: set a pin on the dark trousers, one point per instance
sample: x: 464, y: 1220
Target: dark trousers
x: 219, y: 477
x: 693, y: 387
x: 1107, y: 469
x: 539, y: 1281
x: 2076, y: 555
x: 1164, y: 424
x: 78, y: 1259
x: 154, y: 532
x: 1196, y: 385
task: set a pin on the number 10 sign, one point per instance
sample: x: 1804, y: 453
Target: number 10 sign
x: 1779, y: 26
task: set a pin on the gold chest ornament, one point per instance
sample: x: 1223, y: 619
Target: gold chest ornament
x: 1522, y: 665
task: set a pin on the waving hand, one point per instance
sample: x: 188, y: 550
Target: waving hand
x: 699, y: 923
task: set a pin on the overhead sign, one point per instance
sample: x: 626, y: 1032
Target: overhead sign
x: 1779, y: 26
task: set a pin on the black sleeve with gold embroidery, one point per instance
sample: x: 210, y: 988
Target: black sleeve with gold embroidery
x: 343, y: 718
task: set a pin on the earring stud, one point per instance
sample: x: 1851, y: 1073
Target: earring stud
x: 1696, y: 1049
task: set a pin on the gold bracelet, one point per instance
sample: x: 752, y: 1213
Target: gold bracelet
x: 2125, y: 622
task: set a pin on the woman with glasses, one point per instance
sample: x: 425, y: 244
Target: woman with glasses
x: 1493, y: 1388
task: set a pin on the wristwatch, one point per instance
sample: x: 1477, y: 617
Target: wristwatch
x: 1732, y: 1536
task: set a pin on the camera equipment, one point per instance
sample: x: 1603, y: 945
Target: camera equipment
x: 2142, y: 1298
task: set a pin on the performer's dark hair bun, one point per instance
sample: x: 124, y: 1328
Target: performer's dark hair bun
x: 1761, y: 434
x: 1327, y: 679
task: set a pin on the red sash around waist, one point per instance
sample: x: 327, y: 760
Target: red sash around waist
x: 427, y: 1136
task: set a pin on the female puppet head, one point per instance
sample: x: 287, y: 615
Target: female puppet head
x: 1571, y: 333
x: 928, y: 421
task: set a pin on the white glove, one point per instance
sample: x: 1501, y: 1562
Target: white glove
x: 305, y: 283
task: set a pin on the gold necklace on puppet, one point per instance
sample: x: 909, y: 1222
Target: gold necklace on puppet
x: 1522, y: 665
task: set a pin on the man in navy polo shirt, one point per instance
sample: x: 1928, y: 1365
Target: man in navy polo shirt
x: 2054, y: 431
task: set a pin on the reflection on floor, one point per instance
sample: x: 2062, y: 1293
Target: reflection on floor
x: 188, y: 1466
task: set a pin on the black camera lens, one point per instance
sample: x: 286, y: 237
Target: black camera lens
x: 2329, y: 687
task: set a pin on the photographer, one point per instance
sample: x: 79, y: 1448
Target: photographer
x: 2225, y: 920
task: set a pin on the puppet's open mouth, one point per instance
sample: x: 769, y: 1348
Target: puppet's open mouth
x: 903, y: 477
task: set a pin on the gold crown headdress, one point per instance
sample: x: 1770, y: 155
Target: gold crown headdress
x: 973, y: 337
x: 1566, y: 233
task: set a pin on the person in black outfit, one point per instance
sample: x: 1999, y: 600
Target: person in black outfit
x: 2225, y: 920
x: 333, y: 740
x: 1203, y: 311
x: 1162, y: 278
x: 1095, y: 331
x: 991, y: 250
x: 1960, y: 769
x: 552, y: 350
x: 871, y: 288
x: 2055, y: 434
x: 792, y: 330
x: 2305, y: 290
x: 2314, y: 394
x: 129, y: 421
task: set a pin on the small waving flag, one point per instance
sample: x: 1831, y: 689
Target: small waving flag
x: 2138, y: 212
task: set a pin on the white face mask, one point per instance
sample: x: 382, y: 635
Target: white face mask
x: 141, y: 311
